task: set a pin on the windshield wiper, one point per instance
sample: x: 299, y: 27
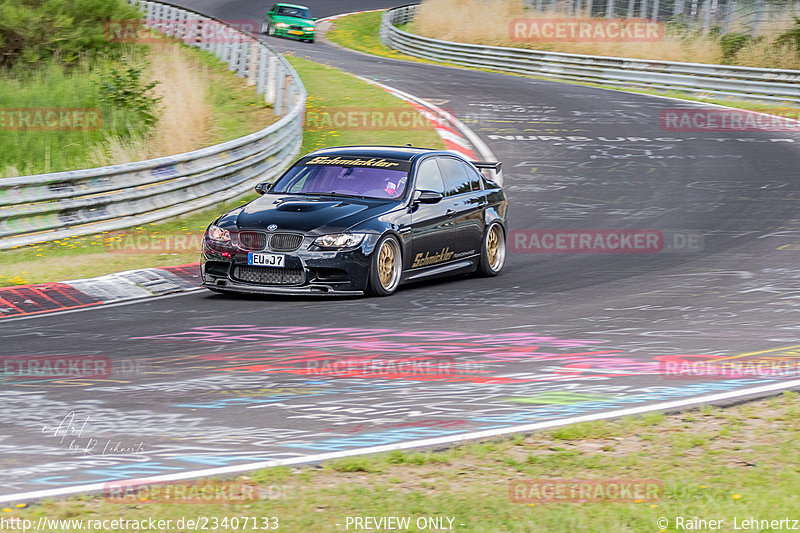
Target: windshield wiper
x: 342, y: 195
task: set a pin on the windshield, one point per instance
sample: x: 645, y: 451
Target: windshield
x: 294, y: 12
x: 353, y: 176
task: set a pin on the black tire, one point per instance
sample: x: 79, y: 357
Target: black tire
x: 386, y: 267
x: 493, y: 250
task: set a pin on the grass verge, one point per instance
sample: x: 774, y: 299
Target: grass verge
x: 725, y: 464
x: 359, y: 32
x: 175, y: 242
x: 203, y: 103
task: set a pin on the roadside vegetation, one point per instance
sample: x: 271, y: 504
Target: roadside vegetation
x: 109, y: 252
x: 738, y: 462
x: 482, y: 22
x: 360, y: 31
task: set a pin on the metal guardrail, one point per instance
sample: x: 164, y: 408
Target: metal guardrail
x: 54, y: 206
x: 776, y: 85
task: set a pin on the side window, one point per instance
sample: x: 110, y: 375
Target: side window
x: 429, y: 178
x: 458, y: 177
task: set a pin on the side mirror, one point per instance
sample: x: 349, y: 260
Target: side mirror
x: 427, y: 197
x: 315, y: 19
x: 263, y: 188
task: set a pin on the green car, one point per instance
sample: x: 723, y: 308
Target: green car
x: 289, y: 20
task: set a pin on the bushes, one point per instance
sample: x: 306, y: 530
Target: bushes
x: 792, y: 36
x: 732, y: 43
x: 126, y: 90
x: 34, y: 30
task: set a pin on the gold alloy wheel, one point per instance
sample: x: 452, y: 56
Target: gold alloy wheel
x: 493, y: 247
x: 387, y: 265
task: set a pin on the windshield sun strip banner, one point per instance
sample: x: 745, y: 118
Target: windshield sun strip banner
x: 356, y: 161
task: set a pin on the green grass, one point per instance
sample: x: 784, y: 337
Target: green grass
x: 92, y: 255
x: 704, y: 474
x: 352, y: 93
x: 237, y: 108
x: 360, y: 32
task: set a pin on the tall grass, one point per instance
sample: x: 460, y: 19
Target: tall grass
x: 55, y: 86
x: 487, y: 22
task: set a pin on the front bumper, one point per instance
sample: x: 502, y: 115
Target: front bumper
x: 224, y: 267
x: 295, y: 34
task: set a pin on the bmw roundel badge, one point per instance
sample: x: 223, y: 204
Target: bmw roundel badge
x: 272, y: 227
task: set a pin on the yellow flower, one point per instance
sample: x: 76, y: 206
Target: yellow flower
x: 702, y: 486
x: 21, y: 505
x: 737, y: 496
x: 6, y: 510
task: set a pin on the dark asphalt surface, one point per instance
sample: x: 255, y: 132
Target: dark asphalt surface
x: 201, y: 381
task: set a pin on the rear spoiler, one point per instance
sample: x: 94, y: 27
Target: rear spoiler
x: 494, y: 165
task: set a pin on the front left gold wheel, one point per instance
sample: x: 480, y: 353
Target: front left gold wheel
x: 387, y: 267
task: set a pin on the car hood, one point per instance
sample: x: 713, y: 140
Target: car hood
x: 300, y: 21
x: 306, y: 214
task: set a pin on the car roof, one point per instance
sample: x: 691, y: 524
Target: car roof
x: 291, y: 5
x: 392, y: 152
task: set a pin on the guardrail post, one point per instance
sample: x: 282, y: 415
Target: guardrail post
x: 730, y: 8
x: 630, y: 8
x: 244, y: 58
x: 655, y: 14
x: 643, y: 9
x: 539, y: 6
x: 272, y: 80
x: 261, y: 71
x: 706, y: 16
x: 277, y: 105
x: 553, y: 5
x: 235, y: 50
x: 757, y: 17
x: 610, y: 9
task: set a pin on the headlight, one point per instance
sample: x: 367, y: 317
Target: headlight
x: 340, y: 240
x: 215, y: 233
x: 309, y: 28
x: 281, y: 25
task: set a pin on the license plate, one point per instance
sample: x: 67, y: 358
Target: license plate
x: 295, y: 32
x: 267, y: 260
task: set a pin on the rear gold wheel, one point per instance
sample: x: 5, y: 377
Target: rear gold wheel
x: 493, y: 254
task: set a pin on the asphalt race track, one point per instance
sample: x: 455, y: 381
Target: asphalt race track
x: 200, y: 381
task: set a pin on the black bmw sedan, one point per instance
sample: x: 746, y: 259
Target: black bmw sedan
x: 360, y: 219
